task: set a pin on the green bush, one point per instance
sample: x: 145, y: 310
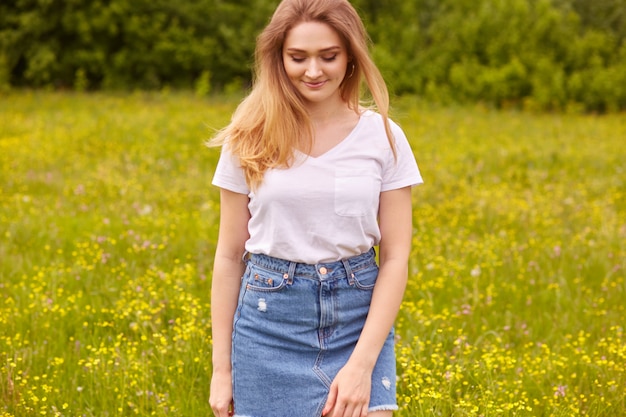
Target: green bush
x: 544, y: 54
x: 117, y: 44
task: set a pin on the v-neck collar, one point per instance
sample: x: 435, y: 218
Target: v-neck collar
x: 339, y: 144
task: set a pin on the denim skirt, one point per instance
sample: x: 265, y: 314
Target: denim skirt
x: 295, y: 327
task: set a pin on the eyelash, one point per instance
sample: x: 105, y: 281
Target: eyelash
x: 300, y: 60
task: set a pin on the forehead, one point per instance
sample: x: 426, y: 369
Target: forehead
x: 312, y: 36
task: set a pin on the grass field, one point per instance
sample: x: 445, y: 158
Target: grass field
x: 516, y: 301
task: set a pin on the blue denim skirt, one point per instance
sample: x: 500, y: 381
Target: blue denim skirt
x: 295, y: 328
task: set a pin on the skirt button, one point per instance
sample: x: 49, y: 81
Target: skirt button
x: 323, y: 270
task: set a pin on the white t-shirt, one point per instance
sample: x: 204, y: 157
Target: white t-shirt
x: 325, y: 208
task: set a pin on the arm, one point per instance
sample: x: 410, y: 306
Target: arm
x: 227, y: 272
x: 351, y: 388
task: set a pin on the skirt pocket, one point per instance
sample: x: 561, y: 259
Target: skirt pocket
x: 262, y: 280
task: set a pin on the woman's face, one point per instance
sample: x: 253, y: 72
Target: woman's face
x: 315, y: 60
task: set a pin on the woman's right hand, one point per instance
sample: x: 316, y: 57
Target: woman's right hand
x: 221, y: 396
x: 225, y: 286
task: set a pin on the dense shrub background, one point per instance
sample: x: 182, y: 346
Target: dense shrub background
x: 543, y: 54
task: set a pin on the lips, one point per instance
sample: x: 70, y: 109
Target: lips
x: 315, y: 85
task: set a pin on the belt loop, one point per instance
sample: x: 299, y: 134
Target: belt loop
x: 245, y: 257
x: 291, y: 272
x: 349, y: 272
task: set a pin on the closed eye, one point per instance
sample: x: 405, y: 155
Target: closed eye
x: 298, y: 59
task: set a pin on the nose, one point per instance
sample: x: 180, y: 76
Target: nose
x: 314, y: 69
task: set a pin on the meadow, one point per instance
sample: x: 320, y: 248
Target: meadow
x: 108, y: 221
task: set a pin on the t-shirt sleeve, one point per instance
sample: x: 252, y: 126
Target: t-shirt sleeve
x: 403, y: 171
x: 229, y: 175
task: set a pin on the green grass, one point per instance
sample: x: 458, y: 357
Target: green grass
x: 108, y: 221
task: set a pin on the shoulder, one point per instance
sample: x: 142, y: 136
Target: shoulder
x: 374, y: 117
x: 374, y: 122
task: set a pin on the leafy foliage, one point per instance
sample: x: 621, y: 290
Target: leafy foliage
x: 117, y: 44
x: 539, y: 54
x: 544, y: 54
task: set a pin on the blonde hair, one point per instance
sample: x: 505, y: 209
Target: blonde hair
x: 272, y: 120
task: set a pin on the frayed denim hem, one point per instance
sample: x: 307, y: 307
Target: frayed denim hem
x: 388, y: 407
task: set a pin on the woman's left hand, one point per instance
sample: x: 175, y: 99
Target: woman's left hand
x: 349, y: 394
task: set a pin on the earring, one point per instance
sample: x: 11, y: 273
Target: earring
x: 352, y: 72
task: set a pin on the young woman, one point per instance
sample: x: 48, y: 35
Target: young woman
x: 311, y: 182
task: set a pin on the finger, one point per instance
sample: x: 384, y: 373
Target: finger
x: 364, y: 408
x: 330, y: 402
x: 221, y: 411
x: 355, y: 409
x: 348, y: 410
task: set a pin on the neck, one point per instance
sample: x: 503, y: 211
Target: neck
x: 321, y: 113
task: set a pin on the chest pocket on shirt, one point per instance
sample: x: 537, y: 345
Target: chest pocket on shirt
x: 355, y: 192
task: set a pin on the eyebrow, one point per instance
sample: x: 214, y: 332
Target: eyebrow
x: 329, y: 49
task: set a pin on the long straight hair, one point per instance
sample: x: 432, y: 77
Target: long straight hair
x: 272, y: 120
